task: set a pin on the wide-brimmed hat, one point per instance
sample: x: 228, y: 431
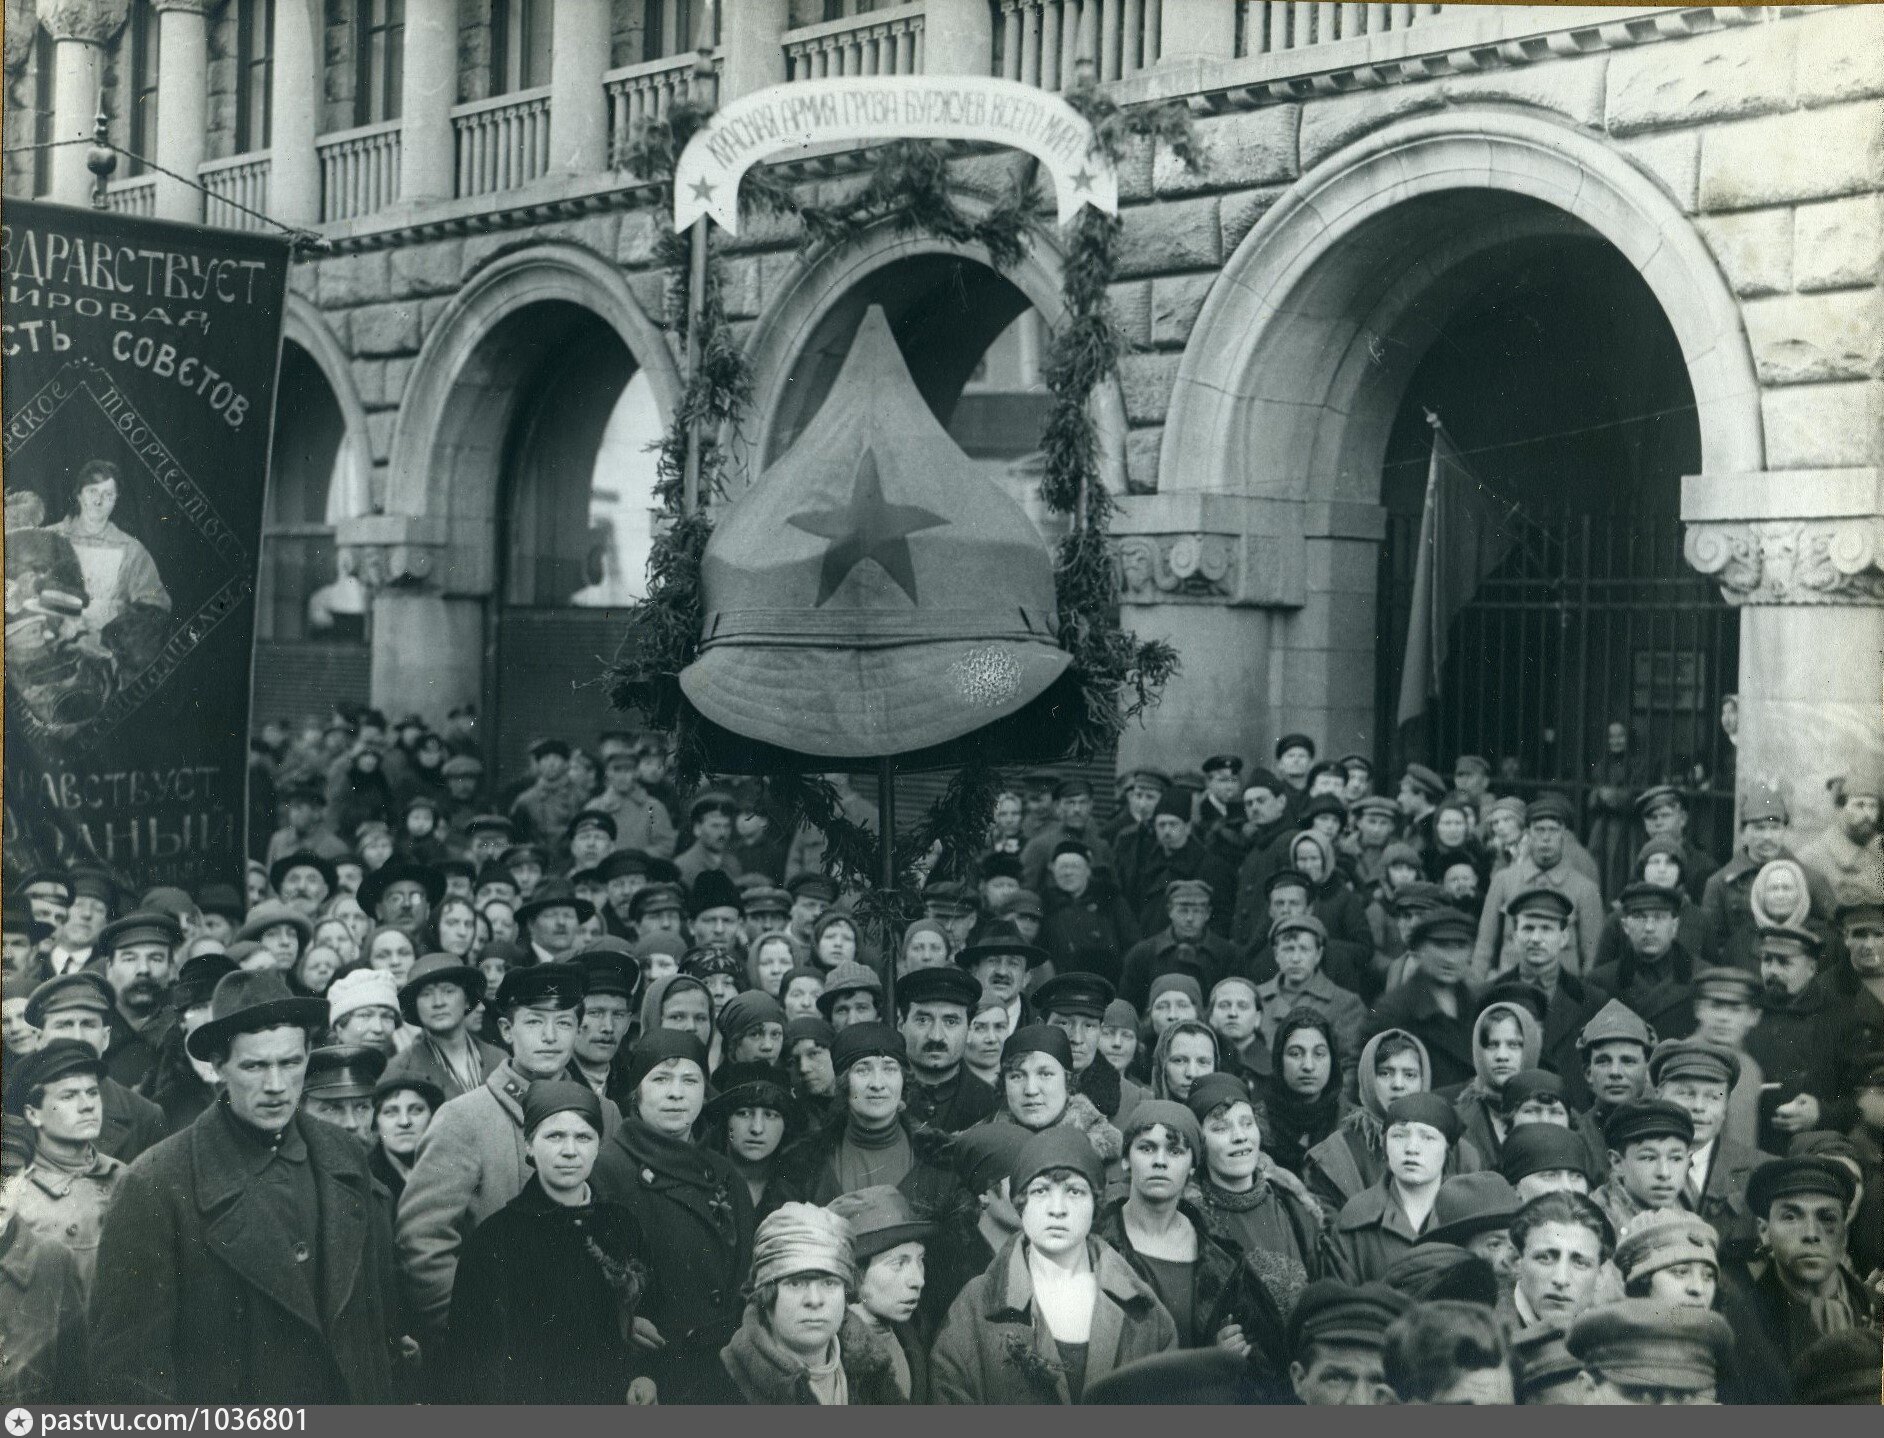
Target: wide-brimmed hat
x: 303, y: 859
x: 271, y: 913
x: 245, y: 1003
x: 874, y: 593
x: 374, y: 886
x: 440, y: 969
x: 554, y: 894
x: 1001, y: 937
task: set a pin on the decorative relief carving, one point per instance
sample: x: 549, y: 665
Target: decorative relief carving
x: 1792, y: 561
x: 1175, y: 568
x: 93, y: 21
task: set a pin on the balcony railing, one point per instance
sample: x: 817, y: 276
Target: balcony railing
x: 641, y: 93
x: 882, y: 42
x: 1266, y: 28
x: 238, y: 180
x: 502, y: 143
x: 136, y: 196
x: 1038, y: 40
x: 359, y: 170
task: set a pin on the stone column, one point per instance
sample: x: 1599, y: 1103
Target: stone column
x: 752, y: 49
x: 182, y: 105
x: 958, y: 38
x: 579, y: 41
x: 1197, y: 30
x: 1801, y: 555
x: 80, y: 30
x: 294, y: 171
x: 427, y: 150
x: 428, y: 645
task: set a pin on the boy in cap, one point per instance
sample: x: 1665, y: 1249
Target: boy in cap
x: 79, y: 1006
x: 1548, y: 820
x: 1648, y: 1143
x: 63, y: 1194
x: 1380, y: 1223
x: 471, y: 1161
x: 1640, y: 1352
x: 642, y: 822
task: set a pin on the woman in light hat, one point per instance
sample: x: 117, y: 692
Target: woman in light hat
x: 543, y: 1307
x: 1671, y: 1256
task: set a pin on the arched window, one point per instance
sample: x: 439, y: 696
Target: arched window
x: 304, y: 592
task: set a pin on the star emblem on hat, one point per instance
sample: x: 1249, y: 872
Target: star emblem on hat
x: 869, y: 527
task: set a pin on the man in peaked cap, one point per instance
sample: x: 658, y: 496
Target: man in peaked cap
x: 274, y: 1260
x: 1435, y: 1003
x: 472, y: 1160
x: 1548, y: 822
x: 611, y: 980
x: 1653, y: 973
x: 589, y: 838
x: 1642, y: 1352
x: 79, y: 1006
x: 1663, y: 811
x: 1072, y: 819
x: 63, y: 1194
x: 1698, y: 1076
x: 1076, y: 1004
x: 1189, y: 908
x: 933, y: 1007
x: 1178, y: 852
x: 1221, y: 801
x: 1614, y: 1049
x: 1806, y: 1027
x: 339, y: 1087
x: 1336, y: 1335
x: 138, y: 952
x: 710, y: 820
x: 1539, y: 919
x: 1648, y: 1145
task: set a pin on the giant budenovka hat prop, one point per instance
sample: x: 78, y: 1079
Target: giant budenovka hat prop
x: 875, y: 595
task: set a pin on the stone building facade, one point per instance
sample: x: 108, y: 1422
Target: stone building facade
x: 1371, y: 174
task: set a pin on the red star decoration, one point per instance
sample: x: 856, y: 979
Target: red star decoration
x: 867, y: 528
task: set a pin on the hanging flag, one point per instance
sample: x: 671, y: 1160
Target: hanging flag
x: 138, y: 396
x: 1465, y: 533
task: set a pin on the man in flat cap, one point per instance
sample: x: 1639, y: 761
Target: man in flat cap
x: 1802, y: 1287
x: 1076, y: 1005
x: 1652, y: 974
x: 1220, y: 803
x: 1727, y: 898
x: 64, y: 1193
x: 1641, y: 1352
x: 1336, y: 1335
x: 1539, y: 920
x: 544, y: 809
x: 1376, y: 825
x: 471, y: 1161
x: 1189, y: 908
x: 1663, y: 810
x: 1129, y: 833
x: 611, y: 979
x: 1698, y: 1077
x: 246, y: 1259
x: 1177, y: 853
x: 1648, y: 1143
x: 710, y: 821
x: 79, y: 1006
x: 1300, y: 944
x: 138, y: 951
x: 1547, y: 823
x: 1848, y: 853
x: 339, y: 1087
x: 1726, y: 1011
x: 932, y: 1012
x: 641, y: 820
x: 1805, y: 1030
x: 1435, y: 1003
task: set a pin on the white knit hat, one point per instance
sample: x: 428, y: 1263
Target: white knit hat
x: 361, y: 989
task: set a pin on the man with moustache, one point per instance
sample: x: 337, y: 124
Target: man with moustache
x: 1653, y: 975
x: 304, y: 880
x: 932, y: 1012
x: 1805, y: 1029
x: 1538, y: 919
x: 1848, y: 853
x: 1000, y: 960
x: 1189, y: 908
x: 402, y: 895
x: 138, y: 951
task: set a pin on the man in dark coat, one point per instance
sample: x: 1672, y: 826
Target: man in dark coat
x: 1435, y: 1004
x: 1698, y: 1076
x: 1189, y: 908
x: 1663, y: 810
x: 1805, y: 1032
x: 933, y: 1007
x: 137, y: 952
x: 246, y: 1259
x: 1539, y: 921
x: 1654, y: 975
x: 79, y: 1006
x: 1179, y: 854
x: 1134, y: 846
x: 1072, y: 811
x: 1087, y: 927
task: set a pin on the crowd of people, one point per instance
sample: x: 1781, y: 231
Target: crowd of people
x: 1272, y: 1083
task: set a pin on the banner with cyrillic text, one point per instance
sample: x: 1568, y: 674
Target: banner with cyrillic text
x: 775, y: 122
x: 138, y: 389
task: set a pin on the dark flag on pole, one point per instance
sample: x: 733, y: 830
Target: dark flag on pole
x: 1465, y: 533
x: 138, y: 397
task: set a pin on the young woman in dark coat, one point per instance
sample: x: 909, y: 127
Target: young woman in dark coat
x: 753, y: 1119
x: 695, y: 1213
x: 543, y: 1307
x: 1304, y: 1104
x: 403, y: 1107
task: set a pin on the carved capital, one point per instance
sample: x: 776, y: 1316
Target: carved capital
x: 93, y: 21
x: 1792, y: 561
x: 1179, y: 568
x: 388, y: 551
x: 22, y: 22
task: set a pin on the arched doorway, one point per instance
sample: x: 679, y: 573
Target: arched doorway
x: 575, y: 524
x: 311, y: 612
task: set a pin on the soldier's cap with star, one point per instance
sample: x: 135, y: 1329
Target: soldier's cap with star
x: 874, y: 593
x: 1615, y: 1020
x: 1645, y: 1342
x: 541, y: 986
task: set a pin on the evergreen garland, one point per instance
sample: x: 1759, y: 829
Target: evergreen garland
x: 907, y: 187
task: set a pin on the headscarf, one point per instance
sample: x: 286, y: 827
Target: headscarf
x: 1159, y: 1087
x: 1295, y: 1122
x: 1329, y: 872
x: 752, y: 959
x: 656, y: 997
x: 924, y: 926
x: 1528, y: 1031
x: 1368, y: 1121
x: 1794, y: 917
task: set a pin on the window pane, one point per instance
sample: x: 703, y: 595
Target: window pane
x: 536, y: 44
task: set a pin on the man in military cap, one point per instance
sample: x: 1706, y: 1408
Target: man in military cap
x: 545, y: 808
x: 437, y: 999
x: 1129, y: 833
x: 137, y: 951
x: 932, y: 1011
x: 63, y: 1194
x: 1653, y: 974
x: 1848, y: 853
x: 1178, y: 853
x: 1805, y: 1029
x: 606, y: 1016
x: 1547, y: 822
x: 1336, y: 1335
x: 1189, y: 905
x: 339, y: 1087
x: 1300, y: 943
x: 1072, y: 819
x: 79, y: 1006
x: 1697, y: 1076
x: 1648, y: 1144
x: 658, y: 909
x: 1663, y: 810
x: 1220, y: 802
x: 304, y: 806
x: 472, y: 1160
x: 1435, y: 1003
x: 1614, y: 1050
x: 641, y: 819
x: 1802, y: 1287
x: 1726, y: 900
x: 1076, y: 1003
x: 1538, y: 920
x: 1639, y: 1351
x: 711, y: 823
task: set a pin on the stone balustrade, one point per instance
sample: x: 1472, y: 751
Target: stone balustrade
x: 136, y: 196
x: 502, y: 143
x: 237, y: 186
x: 639, y: 94
x: 359, y: 170
x: 882, y: 42
x: 1265, y: 28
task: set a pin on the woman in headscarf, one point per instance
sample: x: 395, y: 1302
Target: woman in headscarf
x: 544, y: 1304
x: 925, y: 945
x: 1455, y: 823
x: 1304, y: 1104
x: 1353, y: 1158
x: 1246, y: 1200
x: 1506, y: 1040
x: 1333, y: 900
x: 695, y: 1212
x: 1184, y: 1053
x: 833, y: 940
x: 1038, y: 1089
x: 1213, y: 1296
x: 773, y: 957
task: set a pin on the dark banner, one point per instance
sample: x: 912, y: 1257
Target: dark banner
x: 138, y: 385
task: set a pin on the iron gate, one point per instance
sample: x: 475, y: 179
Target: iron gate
x: 1591, y: 618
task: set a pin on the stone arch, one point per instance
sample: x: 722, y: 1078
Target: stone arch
x: 303, y: 324
x: 815, y: 287
x: 1278, y: 393
x: 448, y: 442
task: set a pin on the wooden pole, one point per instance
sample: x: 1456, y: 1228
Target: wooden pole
x: 886, y: 874
x: 703, y: 87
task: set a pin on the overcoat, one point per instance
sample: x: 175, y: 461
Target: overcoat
x: 761, y: 1372
x: 421, y: 1061
x: 1367, y: 1235
x: 198, y: 1298
x: 42, y: 1321
x: 810, y: 1165
x: 995, y: 1347
x: 1660, y: 999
